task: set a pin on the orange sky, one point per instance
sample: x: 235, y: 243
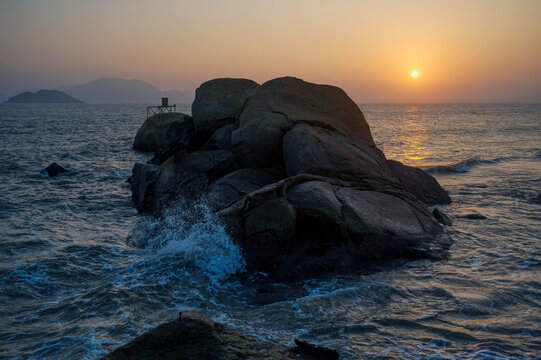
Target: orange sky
x: 465, y: 51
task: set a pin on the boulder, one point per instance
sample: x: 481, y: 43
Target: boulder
x: 53, y: 170
x: 196, y: 337
x: 162, y: 131
x: 420, y: 183
x: 218, y: 103
x: 277, y: 105
x: 314, y: 150
x: 221, y: 139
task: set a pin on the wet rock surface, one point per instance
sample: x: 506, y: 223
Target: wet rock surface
x: 442, y: 217
x: 292, y: 170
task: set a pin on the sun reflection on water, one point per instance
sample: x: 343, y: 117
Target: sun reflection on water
x: 413, y: 136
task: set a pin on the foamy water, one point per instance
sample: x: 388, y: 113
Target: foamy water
x: 73, y: 285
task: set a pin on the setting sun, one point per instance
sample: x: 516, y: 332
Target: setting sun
x: 414, y: 74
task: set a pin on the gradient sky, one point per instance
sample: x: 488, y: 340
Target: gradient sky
x: 464, y: 51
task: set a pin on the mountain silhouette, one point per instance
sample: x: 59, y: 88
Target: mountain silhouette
x: 43, y: 96
x: 123, y: 91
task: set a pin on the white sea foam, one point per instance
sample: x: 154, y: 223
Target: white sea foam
x: 194, y: 234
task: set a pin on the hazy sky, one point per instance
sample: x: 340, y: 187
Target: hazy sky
x: 463, y: 50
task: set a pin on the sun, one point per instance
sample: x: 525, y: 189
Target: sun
x: 414, y: 73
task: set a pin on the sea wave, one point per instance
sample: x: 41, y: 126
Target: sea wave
x: 193, y: 233
x: 462, y: 166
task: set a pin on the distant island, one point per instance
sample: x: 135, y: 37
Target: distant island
x: 42, y: 96
x: 125, y: 91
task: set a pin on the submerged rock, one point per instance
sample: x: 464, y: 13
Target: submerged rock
x: 292, y: 170
x: 53, y: 170
x: 196, y: 337
x: 472, y: 216
x: 163, y: 131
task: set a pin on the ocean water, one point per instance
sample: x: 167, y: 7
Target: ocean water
x: 71, y: 286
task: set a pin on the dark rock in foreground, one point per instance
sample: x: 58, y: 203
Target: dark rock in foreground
x: 293, y: 172
x: 53, y: 170
x: 319, y: 352
x: 195, y: 337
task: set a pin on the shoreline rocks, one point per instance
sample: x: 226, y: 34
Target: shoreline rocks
x: 292, y: 170
x: 194, y: 336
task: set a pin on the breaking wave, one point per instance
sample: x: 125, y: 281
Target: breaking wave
x: 195, y: 234
x: 462, y: 166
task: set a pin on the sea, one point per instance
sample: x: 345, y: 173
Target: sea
x: 73, y: 287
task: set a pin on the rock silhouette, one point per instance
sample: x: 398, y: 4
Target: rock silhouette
x: 293, y: 172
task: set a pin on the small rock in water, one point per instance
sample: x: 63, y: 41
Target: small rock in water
x: 319, y: 352
x: 53, y: 170
x: 473, y: 216
x: 441, y: 217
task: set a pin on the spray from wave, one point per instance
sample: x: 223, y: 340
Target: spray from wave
x: 462, y: 166
x: 195, y: 234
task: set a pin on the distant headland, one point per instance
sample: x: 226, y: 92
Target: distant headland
x: 106, y: 91
x: 43, y: 96
x: 125, y: 91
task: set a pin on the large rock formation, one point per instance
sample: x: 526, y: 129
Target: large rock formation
x: 292, y: 170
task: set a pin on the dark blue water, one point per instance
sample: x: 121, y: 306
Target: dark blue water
x: 71, y: 287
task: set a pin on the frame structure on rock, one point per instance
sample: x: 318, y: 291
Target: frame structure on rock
x: 165, y: 108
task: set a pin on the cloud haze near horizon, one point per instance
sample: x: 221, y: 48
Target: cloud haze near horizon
x: 465, y: 51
